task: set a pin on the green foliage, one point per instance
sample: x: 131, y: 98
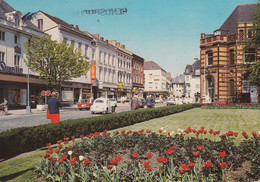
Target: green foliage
x: 24, y: 139
x: 40, y: 99
x: 55, y: 62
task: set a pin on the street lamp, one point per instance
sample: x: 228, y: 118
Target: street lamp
x: 28, y: 107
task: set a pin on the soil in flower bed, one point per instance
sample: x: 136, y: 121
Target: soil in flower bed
x: 147, y: 156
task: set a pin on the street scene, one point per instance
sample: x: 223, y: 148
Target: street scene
x: 129, y: 91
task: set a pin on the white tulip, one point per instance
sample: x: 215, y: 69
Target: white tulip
x: 161, y: 128
x: 70, y: 152
x: 81, y: 157
x: 164, y: 131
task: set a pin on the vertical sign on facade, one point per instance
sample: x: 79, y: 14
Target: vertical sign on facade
x: 93, y: 72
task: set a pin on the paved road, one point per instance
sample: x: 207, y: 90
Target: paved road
x: 37, y: 118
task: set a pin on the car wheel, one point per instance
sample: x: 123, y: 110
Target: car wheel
x: 80, y: 109
x: 107, y: 111
x: 92, y: 112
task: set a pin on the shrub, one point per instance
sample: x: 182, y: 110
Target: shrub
x: 24, y: 139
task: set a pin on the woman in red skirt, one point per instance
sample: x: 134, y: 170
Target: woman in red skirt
x: 53, y: 108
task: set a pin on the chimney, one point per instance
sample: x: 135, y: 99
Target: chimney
x: 118, y: 44
x: 102, y: 38
x: 77, y: 27
x: 202, y: 35
x: 96, y: 35
x: 123, y: 46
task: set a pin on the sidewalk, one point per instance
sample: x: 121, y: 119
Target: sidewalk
x: 63, y: 109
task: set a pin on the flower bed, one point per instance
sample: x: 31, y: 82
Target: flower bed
x: 230, y: 106
x: 148, y: 156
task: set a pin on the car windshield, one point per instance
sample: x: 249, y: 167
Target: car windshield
x: 171, y: 99
x: 99, y: 101
x: 113, y: 99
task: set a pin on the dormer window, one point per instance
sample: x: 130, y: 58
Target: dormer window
x: 40, y: 24
x: 16, y: 19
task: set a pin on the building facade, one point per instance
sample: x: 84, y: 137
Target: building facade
x: 178, y: 85
x: 15, y: 30
x: 192, y: 81
x: 138, y: 75
x: 169, y: 87
x: 75, y: 89
x: 224, y: 58
x: 155, y: 80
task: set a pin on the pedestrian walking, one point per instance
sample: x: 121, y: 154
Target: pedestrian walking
x: 53, y: 106
x: 113, y: 107
x: 134, y: 103
x: 4, y: 107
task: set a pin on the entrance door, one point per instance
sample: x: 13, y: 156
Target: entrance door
x: 76, y: 95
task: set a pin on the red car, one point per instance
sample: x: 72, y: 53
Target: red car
x: 85, y: 104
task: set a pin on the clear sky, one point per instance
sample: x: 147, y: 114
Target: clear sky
x: 164, y: 31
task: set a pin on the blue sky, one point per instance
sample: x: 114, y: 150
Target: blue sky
x: 164, y: 31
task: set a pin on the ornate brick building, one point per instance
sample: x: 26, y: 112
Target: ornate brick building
x: 223, y: 59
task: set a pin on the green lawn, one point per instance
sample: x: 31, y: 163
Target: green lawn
x: 238, y: 120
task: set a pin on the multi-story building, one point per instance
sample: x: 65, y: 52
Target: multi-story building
x: 77, y: 88
x: 138, y: 75
x: 124, y: 58
x: 155, y: 79
x: 224, y: 57
x: 192, y: 81
x: 178, y: 85
x: 106, y: 69
x: 169, y: 87
x: 15, y: 30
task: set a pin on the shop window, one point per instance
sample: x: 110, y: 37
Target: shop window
x: 231, y: 57
x: 2, y: 35
x: 2, y: 56
x: 250, y: 55
x: 210, y: 58
x: 16, y: 60
x: 14, y: 97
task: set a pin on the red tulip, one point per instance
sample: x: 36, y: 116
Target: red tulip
x: 222, y: 154
x: 209, y: 164
x: 63, y: 156
x: 122, y: 132
x: 114, y: 161
x: 60, y: 172
x: 73, y: 161
x: 173, y: 147
x: 48, y: 144
x: 195, y: 153
x: 191, y: 164
x: 148, y: 169
x: 119, y: 158
x: 59, y: 142
x: 146, y: 163
x: 223, y: 165
x: 159, y: 159
x: 109, y: 166
x: 200, y: 147
x: 149, y: 155
x: 164, y: 160
x: 169, y: 152
x: 134, y: 154
x: 70, y: 147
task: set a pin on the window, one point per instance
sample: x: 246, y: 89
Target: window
x: 15, y: 39
x: 231, y: 57
x: 65, y: 40
x: 150, y: 76
x: 2, y: 56
x: 250, y: 55
x: 16, y: 60
x: 210, y: 57
x: 246, y: 87
x: 241, y: 34
x: 40, y: 24
x: 249, y: 34
x: 17, y: 19
x: 231, y: 87
x: 100, y: 54
x: 93, y: 54
x: 72, y: 42
x: 80, y: 45
x: 2, y: 36
x: 86, y: 50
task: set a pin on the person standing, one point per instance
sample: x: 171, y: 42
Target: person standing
x: 134, y: 103
x: 53, y: 105
x: 113, y: 107
x: 149, y: 102
x: 5, y: 107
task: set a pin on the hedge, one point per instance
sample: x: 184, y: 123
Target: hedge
x: 24, y: 139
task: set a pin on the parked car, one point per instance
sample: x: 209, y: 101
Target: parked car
x: 170, y: 101
x: 113, y: 100
x: 101, y: 105
x: 158, y: 100
x: 141, y: 102
x: 85, y: 104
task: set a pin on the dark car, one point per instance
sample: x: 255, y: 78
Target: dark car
x: 85, y: 104
x: 141, y: 102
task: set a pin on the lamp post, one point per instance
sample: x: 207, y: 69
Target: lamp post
x: 28, y: 107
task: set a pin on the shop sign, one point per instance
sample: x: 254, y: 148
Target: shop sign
x: 93, y: 72
x: 8, y: 69
x: 133, y: 90
x: 67, y: 88
x: 17, y: 49
x: 85, y: 90
x: 120, y: 85
x: 120, y: 89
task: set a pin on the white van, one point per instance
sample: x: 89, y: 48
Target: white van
x: 101, y: 105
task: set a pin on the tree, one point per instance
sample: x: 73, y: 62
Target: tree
x: 253, y: 70
x: 55, y: 62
